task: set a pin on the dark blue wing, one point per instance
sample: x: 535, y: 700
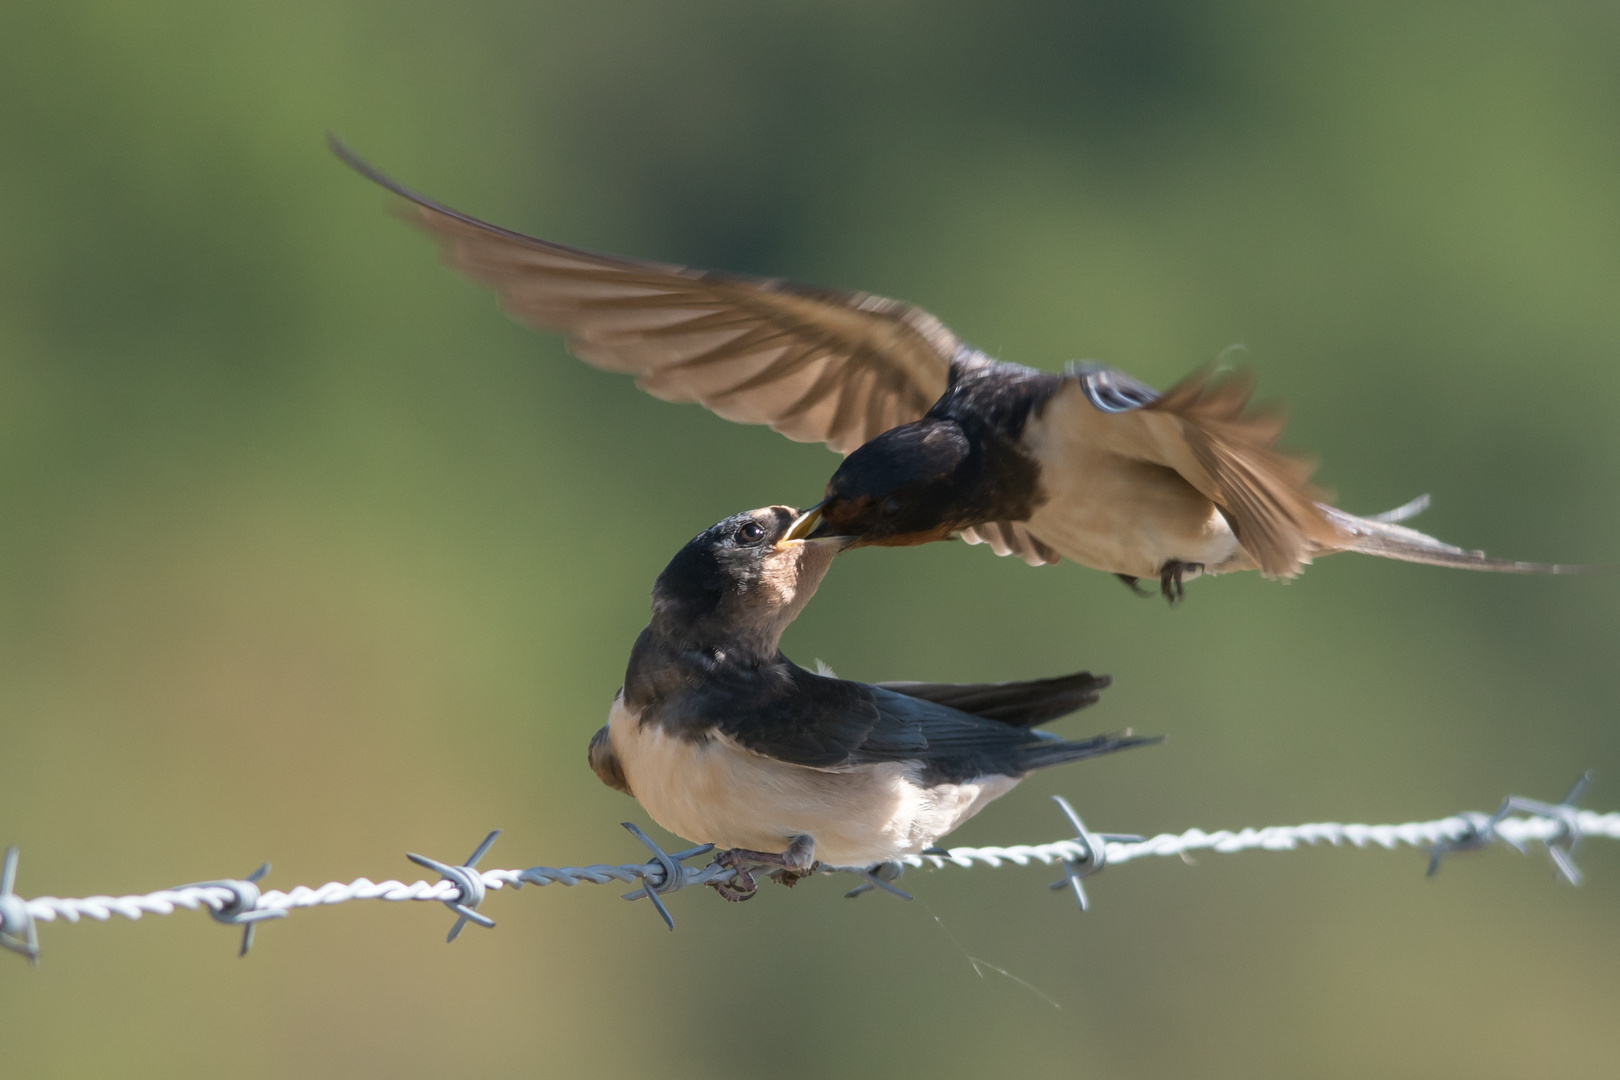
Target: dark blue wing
x: 1021, y: 704
x: 822, y: 722
x: 960, y: 746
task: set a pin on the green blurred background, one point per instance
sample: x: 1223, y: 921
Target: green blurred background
x: 310, y: 555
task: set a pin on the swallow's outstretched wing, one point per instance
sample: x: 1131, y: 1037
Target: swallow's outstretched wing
x: 815, y: 364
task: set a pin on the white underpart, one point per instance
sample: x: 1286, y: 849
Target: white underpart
x: 1113, y: 512
x: 716, y: 792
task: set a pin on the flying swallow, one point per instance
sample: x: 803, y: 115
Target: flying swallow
x: 944, y: 441
x: 724, y: 740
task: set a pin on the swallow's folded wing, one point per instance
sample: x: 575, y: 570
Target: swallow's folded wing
x: 815, y: 364
x: 1019, y: 704
x: 812, y: 720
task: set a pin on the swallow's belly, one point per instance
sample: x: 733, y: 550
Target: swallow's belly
x: 716, y: 792
x: 1112, y: 512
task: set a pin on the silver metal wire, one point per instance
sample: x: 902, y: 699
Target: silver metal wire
x: 1518, y: 823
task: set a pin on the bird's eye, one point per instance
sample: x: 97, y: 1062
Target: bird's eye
x: 752, y: 532
x: 890, y: 507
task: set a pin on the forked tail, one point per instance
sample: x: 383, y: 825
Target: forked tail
x: 1381, y: 535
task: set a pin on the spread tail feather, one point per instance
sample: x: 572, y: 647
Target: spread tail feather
x: 1379, y: 535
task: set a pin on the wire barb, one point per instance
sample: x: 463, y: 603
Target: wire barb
x: 673, y: 873
x: 1093, y: 854
x: 17, y: 930
x: 242, y: 909
x: 469, y: 884
x: 1560, y: 848
x: 1479, y: 830
x: 879, y: 877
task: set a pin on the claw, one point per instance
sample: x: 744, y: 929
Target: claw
x: 740, y: 888
x: 1135, y: 585
x: 798, y: 861
x: 788, y: 877
x: 1171, y: 575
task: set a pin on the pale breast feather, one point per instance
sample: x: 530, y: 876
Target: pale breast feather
x: 716, y: 791
x: 1112, y: 502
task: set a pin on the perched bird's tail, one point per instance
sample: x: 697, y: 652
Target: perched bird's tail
x: 1053, y: 751
x: 1381, y: 535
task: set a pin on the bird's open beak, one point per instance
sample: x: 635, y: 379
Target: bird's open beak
x: 805, y: 523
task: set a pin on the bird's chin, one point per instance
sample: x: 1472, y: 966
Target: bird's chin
x: 819, y: 552
x: 791, y: 573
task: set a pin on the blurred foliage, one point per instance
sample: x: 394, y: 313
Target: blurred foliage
x: 310, y: 555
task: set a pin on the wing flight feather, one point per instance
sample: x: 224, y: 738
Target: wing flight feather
x: 817, y: 365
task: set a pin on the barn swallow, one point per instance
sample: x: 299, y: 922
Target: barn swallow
x: 944, y: 441
x: 724, y: 740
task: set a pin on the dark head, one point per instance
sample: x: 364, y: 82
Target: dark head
x: 908, y: 485
x: 741, y: 582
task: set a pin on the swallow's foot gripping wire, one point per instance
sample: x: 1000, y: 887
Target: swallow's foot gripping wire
x: 798, y: 861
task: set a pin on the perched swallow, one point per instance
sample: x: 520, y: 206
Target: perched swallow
x: 724, y: 740
x: 1090, y: 465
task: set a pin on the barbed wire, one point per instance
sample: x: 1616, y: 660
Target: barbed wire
x: 1558, y: 827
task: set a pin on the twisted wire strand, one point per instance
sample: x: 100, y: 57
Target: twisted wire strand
x: 1557, y: 826
x: 219, y: 897
x: 1415, y: 834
